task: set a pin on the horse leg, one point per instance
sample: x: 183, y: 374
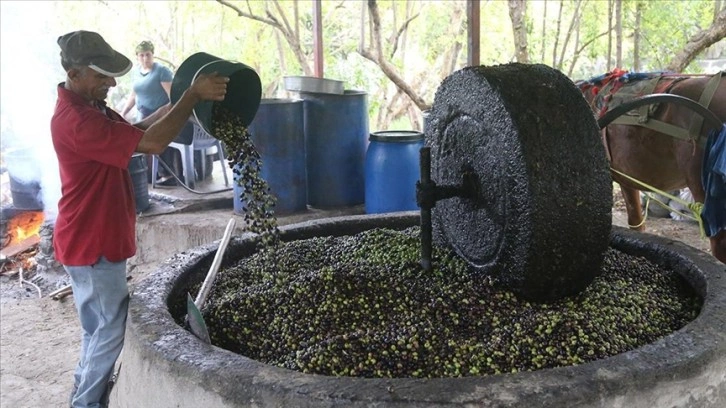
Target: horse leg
x: 636, y: 221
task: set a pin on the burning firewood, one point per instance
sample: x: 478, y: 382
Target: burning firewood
x: 14, y: 249
x: 23, y: 225
x: 22, y: 239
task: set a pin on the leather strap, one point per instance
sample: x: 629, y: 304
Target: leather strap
x: 690, y: 134
x: 705, y: 100
x: 659, y: 126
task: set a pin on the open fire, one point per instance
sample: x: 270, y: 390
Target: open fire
x: 22, y: 226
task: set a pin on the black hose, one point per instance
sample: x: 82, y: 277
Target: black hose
x: 173, y: 174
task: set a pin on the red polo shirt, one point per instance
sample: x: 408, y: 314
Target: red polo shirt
x: 96, y: 212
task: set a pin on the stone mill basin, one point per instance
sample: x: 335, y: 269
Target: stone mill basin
x: 164, y: 365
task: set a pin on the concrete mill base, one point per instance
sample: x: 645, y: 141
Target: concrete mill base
x: 163, y: 365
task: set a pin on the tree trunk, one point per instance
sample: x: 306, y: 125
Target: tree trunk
x: 452, y: 56
x: 404, y: 36
x: 280, y: 52
x: 544, y: 31
x: 573, y: 23
x: 636, y: 36
x: 610, y: 34
x: 576, y: 55
x: 361, y: 40
x: 716, y: 9
x: 699, y: 42
x: 296, y: 15
x: 393, y: 39
x: 619, y: 33
x: 517, y: 11
x: 557, y: 35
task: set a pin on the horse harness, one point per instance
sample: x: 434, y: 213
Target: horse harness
x: 658, y: 83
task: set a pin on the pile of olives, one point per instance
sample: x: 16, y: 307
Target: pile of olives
x: 362, y: 306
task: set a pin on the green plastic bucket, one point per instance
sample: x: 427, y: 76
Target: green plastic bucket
x: 244, y: 89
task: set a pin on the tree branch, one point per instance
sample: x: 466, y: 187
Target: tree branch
x: 284, y: 18
x: 292, y: 40
x: 377, y: 57
x: 399, y: 33
x: 590, y: 41
x: 249, y: 15
x: 699, y: 42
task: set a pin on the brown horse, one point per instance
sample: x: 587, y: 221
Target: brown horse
x: 661, y: 160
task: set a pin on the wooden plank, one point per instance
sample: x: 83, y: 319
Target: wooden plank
x: 14, y: 249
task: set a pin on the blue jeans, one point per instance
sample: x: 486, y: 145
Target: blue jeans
x: 102, y: 299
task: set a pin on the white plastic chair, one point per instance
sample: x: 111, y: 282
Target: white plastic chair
x: 200, y: 141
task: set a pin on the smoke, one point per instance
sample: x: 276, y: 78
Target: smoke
x: 29, y: 72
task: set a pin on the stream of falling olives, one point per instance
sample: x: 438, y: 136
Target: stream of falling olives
x: 362, y: 306
x: 258, y: 203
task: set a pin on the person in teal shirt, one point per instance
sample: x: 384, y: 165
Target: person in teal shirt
x: 152, y: 83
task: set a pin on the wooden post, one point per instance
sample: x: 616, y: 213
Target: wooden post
x: 472, y: 34
x: 318, y: 37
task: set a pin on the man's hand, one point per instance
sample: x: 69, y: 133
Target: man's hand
x: 210, y: 87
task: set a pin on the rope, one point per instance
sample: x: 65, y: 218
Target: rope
x: 695, y: 207
x: 645, y: 214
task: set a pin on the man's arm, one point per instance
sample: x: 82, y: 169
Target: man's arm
x: 154, y: 117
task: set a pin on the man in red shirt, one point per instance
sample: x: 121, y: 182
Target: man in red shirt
x: 95, y: 233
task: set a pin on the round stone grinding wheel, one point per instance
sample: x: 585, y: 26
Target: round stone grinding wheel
x: 540, y: 218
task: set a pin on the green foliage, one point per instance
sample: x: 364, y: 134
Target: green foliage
x: 667, y: 26
x: 497, y: 43
x: 180, y: 28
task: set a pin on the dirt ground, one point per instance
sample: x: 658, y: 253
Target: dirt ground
x: 40, y: 337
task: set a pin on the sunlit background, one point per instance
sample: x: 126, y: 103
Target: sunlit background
x: 432, y: 46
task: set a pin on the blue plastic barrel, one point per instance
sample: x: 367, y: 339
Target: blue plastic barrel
x: 392, y: 170
x: 279, y: 136
x: 336, y: 132
x: 137, y: 169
